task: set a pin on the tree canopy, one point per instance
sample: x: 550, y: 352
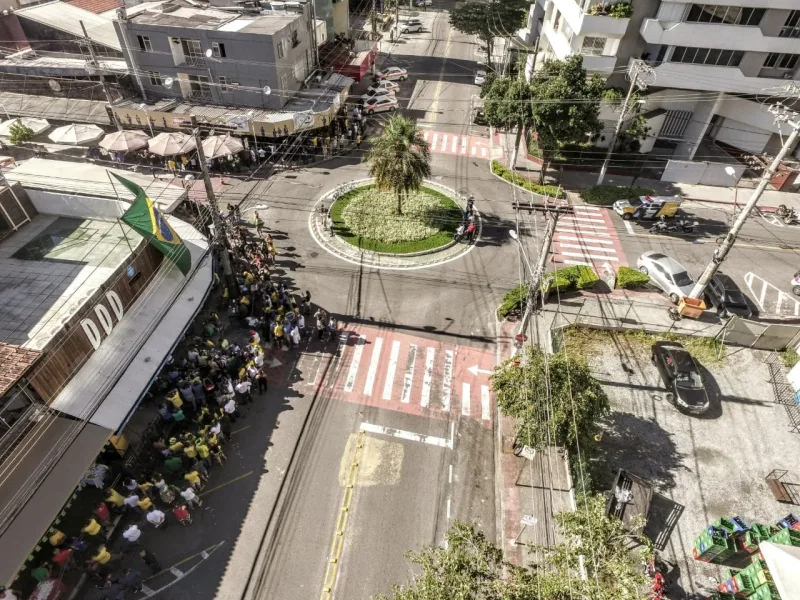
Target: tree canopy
x: 488, y: 20
x: 508, y: 103
x: 399, y: 158
x: 20, y: 133
x: 553, y: 398
x: 566, y: 105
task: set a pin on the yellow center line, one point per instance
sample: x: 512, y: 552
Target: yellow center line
x: 222, y: 485
x: 332, y: 570
x: 241, y: 429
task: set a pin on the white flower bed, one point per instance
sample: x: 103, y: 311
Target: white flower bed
x: 371, y: 213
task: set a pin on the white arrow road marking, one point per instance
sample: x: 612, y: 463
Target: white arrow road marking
x: 475, y: 370
x: 407, y: 435
x: 274, y: 363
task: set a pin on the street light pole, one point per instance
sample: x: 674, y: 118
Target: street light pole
x: 721, y: 253
x: 220, y: 237
x: 637, y: 69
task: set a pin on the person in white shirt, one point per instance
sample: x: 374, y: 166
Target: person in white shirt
x: 252, y: 371
x: 230, y: 409
x: 243, y: 389
x: 259, y: 360
x: 131, y: 501
x: 132, y: 534
x: 157, y: 518
x: 301, y: 324
x: 193, y: 355
x: 191, y: 498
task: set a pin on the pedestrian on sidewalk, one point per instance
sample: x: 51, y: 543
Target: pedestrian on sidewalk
x: 157, y: 518
x: 358, y: 141
x: 132, y: 580
x: 218, y: 455
x: 150, y: 560
x: 261, y: 380
x: 191, y: 498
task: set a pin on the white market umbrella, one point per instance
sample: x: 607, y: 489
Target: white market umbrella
x: 124, y: 141
x: 36, y: 125
x: 221, y: 145
x: 77, y: 133
x: 171, y: 143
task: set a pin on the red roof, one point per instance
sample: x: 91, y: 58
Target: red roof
x: 14, y: 361
x: 96, y: 6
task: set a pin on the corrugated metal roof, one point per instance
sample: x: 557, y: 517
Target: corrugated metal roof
x: 218, y: 114
x: 66, y: 17
x: 14, y: 361
x: 58, y: 109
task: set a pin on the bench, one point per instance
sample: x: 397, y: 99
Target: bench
x: 779, y: 490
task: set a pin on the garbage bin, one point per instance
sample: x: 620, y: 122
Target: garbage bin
x: 691, y: 307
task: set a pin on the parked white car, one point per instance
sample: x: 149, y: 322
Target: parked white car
x: 412, y: 28
x: 373, y: 93
x: 385, y: 85
x: 480, y: 77
x: 667, y: 274
x: 392, y: 74
x: 424, y: 3
x: 380, y: 104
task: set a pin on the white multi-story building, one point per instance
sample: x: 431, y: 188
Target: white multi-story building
x: 714, y: 62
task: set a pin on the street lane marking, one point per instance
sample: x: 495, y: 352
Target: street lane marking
x: 629, y: 227
x: 583, y: 225
x: 407, y: 435
x: 465, y: 399
x: 354, y: 364
x: 596, y: 209
x: 373, y: 366
x: 588, y: 219
x: 436, y: 94
x: 448, y: 373
x: 483, y: 152
x: 584, y: 239
x: 444, y: 143
x: 583, y: 255
x: 435, y: 137
x: 408, y: 379
x: 464, y: 145
x: 485, y: 403
x: 207, y: 491
x: 572, y: 230
x: 585, y: 247
x: 474, y: 151
x: 455, y: 144
x: 390, y: 371
x: 569, y: 261
x: 425, y: 400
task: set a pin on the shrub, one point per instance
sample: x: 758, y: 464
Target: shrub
x: 605, y: 195
x: 789, y: 357
x: 628, y: 278
x: 545, y: 190
x: 621, y: 10
x: 579, y: 277
x: 513, y: 300
x: 20, y: 133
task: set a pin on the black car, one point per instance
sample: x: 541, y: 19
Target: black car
x: 681, y: 376
x: 723, y: 294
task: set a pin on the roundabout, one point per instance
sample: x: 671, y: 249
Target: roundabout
x: 369, y: 231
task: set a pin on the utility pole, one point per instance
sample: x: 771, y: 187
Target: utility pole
x: 96, y: 65
x: 641, y: 75
x: 396, y: 19
x: 536, y: 276
x: 220, y: 237
x: 782, y: 115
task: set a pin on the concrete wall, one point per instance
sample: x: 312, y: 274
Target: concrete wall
x: 743, y: 136
x: 772, y: 22
x: 701, y: 172
x: 83, y: 207
x: 341, y: 17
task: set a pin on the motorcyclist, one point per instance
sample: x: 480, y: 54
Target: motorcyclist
x: 459, y: 233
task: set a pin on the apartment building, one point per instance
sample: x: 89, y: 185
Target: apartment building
x: 714, y: 62
x: 215, y: 56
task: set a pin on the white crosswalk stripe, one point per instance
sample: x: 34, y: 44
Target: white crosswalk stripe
x: 427, y: 379
x: 587, y: 247
x: 455, y: 144
x: 483, y: 152
x: 474, y: 151
x: 444, y: 142
x: 582, y: 238
x: 485, y: 403
x: 448, y: 374
x: 373, y: 366
x: 464, y: 145
x: 408, y: 378
x: 584, y: 255
x: 390, y: 372
x: 354, y: 364
x: 433, y: 142
x: 465, y: 408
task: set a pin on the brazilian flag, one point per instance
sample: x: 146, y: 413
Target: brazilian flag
x: 144, y: 218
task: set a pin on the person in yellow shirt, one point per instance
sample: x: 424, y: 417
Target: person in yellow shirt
x: 92, y: 527
x: 175, y: 446
x: 202, y: 452
x: 174, y: 398
x: 144, y: 504
x: 190, y: 451
x: 102, y: 556
x: 193, y: 478
x: 114, y: 497
x: 171, y: 165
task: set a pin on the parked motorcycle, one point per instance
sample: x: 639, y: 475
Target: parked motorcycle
x: 787, y: 215
x: 796, y: 284
x: 664, y: 226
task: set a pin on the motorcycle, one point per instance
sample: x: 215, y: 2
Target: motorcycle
x: 787, y: 215
x: 796, y: 284
x: 664, y: 226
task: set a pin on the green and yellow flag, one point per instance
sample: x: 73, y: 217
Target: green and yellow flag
x: 144, y: 218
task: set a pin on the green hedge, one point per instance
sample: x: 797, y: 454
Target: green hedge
x: 628, y: 278
x: 546, y: 190
x: 513, y: 300
x: 606, y: 195
x: 579, y: 277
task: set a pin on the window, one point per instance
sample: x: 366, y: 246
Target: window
x: 192, y: 48
x: 155, y: 78
x: 556, y: 19
x: 144, y: 43
x: 224, y: 83
x: 593, y: 46
x: 218, y: 49
x: 791, y: 28
x: 295, y: 39
x: 729, y: 15
x: 280, y: 48
x: 776, y: 60
x: 707, y: 56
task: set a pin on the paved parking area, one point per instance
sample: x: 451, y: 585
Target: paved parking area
x: 702, y: 467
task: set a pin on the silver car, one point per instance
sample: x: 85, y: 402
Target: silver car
x: 666, y: 273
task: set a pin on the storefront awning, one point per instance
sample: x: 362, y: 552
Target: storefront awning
x: 784, y: 566
x: 22, y: 528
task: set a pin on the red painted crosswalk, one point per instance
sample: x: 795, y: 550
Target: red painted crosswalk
x: 410, y: 374
x: 464, y: 145
x: 587, y: 237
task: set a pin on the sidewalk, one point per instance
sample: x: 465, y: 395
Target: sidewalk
x: 578, y: 180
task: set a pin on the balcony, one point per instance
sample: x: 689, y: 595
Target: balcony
x: 200, y: 96
x: 193, y: 62
x: 602, y: 64
x: 714, y: 78
x: 713, y: 35
x: 583, y: 22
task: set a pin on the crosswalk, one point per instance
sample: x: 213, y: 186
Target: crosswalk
x: 415, y: 375
x: 464, y: 145
x: 587, y: 237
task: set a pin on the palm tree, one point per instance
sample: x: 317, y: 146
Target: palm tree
x: 399, y: 159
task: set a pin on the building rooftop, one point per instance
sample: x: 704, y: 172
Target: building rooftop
x: 67, y: 18
x: 263, y: 24
x: 183, y: 16
x: 40, y: 60
x: 96, y: 6
x: 14, y: 361
x: 50, y: 268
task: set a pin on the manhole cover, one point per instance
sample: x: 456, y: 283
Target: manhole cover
x: 313, y: 254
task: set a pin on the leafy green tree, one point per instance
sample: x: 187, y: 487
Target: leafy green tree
x: 488, y: 20
x: 566, y: 106
x: 399, y: 158
x: 554, y: 398
x: 20, y: 133
x: 509, y: 102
